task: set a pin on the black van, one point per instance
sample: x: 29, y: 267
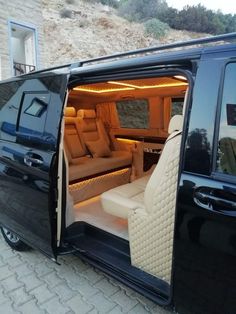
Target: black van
x: 129, y: 162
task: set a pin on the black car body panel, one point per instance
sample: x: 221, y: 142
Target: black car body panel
x: 31, y: 114
x: 205, y: 236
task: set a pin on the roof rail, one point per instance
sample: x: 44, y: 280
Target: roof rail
x: 193, y: 42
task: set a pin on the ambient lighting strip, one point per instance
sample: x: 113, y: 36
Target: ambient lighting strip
x: 149, y: 86
x: 103, y: 90
x: 124, y: 84
x: 81, y: 184
x: 128, y: 87
x: 120, y: 139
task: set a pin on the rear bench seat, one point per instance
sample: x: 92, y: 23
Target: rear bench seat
x: 83, y: 127
x: 88, y: 166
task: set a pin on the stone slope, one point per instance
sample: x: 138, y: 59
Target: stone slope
x: 93, y: 30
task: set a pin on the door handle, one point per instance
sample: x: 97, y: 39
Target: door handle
x: 33, y: 160
x: 202, y: 200
x: 209, y: 201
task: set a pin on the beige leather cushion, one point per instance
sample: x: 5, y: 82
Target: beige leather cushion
x: 89, y: 129
x: 98, y: 148
x: 120, y: 200
x: 118, y: 205
x: 73, y: 142
x: 142, y: 182
x: 92, y: 127
x: 86, y: 113
x: 176, y: 124
x: 87, y: 166
x: 70, y: 112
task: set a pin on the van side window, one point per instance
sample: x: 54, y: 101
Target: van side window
x: 226, y: 153
x: 32, y: 116
x: 177, y: 106
x: 36, y: 108
x: 133, y: 114
x: 11, y: 94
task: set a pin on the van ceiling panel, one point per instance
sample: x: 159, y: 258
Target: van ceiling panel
x: 125, y: 85
x: 137, y: 88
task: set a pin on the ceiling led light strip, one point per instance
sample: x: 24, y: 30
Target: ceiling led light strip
x: 102, y: 90
x: 124, y: 84
x: 127, y: 87
x: 149, y: 86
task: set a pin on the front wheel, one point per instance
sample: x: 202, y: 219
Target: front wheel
x: 13, y: 240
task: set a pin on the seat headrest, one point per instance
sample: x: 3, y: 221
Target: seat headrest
x: 86, y: 113
x: 70, y: 112
x: 176, y: 123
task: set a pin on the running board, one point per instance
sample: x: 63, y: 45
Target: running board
x: 111, y: 254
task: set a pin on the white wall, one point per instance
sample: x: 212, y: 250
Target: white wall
x: 29, y: 43
x: 18, y: 50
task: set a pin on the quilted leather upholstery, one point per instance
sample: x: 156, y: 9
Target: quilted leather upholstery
x: 176, y: 123
x: 151, y: 228
x: 89, y: 188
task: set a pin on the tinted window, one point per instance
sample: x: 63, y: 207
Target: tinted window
x: 36, y: 108
x: 177, y: 106
x: 33, y: 116
x: 133, y: 114
x: 10, y: 99
x: 226, y: 155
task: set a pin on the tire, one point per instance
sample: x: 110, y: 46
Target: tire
x: 13, y: 240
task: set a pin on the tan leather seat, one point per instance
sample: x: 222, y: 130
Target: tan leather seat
x: 88, y: 166
x: 84, y: 127
x: 92, y: 127
x: 74, y: 146
x: 151, y: 216
x: 119, y: 201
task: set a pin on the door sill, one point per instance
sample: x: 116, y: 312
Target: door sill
x: 111, y: 254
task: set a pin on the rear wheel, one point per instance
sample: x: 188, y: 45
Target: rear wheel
x: 13, y: 240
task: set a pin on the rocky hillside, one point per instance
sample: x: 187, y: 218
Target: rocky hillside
x: 93, y: 30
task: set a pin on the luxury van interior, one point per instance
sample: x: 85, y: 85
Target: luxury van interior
x: 121, y: 147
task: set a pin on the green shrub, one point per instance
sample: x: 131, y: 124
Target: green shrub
x: 199, y: 19
x: 156, y: 28
x: 142, y: 10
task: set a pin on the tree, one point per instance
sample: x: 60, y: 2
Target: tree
x: 142, y: 10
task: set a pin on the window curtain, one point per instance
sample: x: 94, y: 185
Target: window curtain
x: 108, y: 114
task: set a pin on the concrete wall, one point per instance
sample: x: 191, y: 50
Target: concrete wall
x: 22, y: 12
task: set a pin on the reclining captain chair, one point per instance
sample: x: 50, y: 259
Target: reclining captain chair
x: 151, y: 227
